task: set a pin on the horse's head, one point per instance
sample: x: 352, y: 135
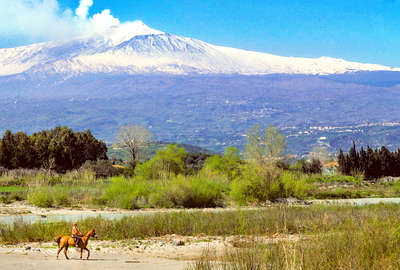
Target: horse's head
x: 92, y: 233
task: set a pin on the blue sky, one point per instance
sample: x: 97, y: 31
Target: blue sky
x: 364, y: 31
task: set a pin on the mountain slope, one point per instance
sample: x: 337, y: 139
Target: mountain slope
x: 137, y: 49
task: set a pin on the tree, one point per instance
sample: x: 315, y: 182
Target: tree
x: 229, y: 164
x: 7, y: 150
x: 343, y: 168
x: 265, y: 148
x: 60, y: 149
x: 311, y: 167
x: 166, y: 162
x: 354, y: 159
x: 363, y: 164
x: 260, y: 172
x: 134, y: 139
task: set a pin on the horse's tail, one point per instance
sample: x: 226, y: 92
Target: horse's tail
x: 58, y: 239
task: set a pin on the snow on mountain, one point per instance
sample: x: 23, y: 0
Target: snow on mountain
x: 136, y: 48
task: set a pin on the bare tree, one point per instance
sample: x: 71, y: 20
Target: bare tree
x: 133, y: 139
x: 265, y: 147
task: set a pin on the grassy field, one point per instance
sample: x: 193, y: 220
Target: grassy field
x: 370, y: 247
x: 367, y: 238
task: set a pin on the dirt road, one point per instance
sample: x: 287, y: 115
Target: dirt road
x: 46, y: 260
x: 167, y: 252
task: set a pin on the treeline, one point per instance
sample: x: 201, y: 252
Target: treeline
x: 372, y: 163
x: 58, y: 149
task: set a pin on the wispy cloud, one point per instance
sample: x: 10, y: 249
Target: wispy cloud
x: 44, y: 20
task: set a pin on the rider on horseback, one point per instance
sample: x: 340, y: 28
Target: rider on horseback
x: 76, y: 233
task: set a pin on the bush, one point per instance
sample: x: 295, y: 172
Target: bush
x: 41, y: 197
x: 257, y: 184
x: 190, y: 192
x: 168, y: 161
x: 127, y: 193
x: 180, y: 191
x: 62, y: 199
x: 228, y: 164
x: 294, y: 185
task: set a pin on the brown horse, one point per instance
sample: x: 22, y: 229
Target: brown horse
x: 65, y: 241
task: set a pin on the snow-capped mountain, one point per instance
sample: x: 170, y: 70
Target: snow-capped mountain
x: 135, y: 48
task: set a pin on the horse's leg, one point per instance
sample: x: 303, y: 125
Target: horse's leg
x: 59, y: 250
x: 81, y: 252
x: 88, y: 253
x: 65, y: 252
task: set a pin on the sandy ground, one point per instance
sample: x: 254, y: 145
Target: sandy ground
x: 141, y: 254
x: 46, y: 261
x: 167, y: 252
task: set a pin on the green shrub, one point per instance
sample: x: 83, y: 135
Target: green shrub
x: 229, y: 164
x: 127, y: 193
x: 41, y: 197
x: 190, y: 192
x: 257, y: 184
x: 62, y: 199
x: 168, y: 161
x: 294, y: 185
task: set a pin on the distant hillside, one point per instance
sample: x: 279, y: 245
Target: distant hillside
x: 213, y: 112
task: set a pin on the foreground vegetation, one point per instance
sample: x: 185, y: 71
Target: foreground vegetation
x: 313, y: 220
x: 373, y: 245
x: 368, y: 238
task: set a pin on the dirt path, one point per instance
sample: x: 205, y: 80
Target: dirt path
x: 47, y: 261
x: 167, y: 252
x: 104, y: 255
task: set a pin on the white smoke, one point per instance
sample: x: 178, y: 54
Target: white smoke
x: 43, y: 20
x: 100, y: 22
x: 83, y: 9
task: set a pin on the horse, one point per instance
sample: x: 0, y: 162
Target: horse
x: 65, y: 241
